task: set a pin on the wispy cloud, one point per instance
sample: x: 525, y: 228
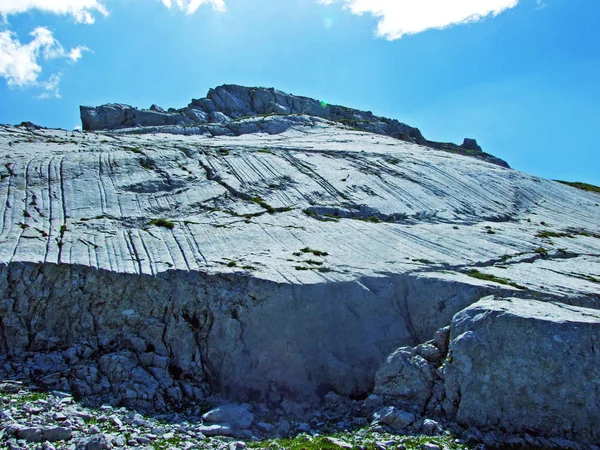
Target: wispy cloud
x: 83, y: 11
x: 190, y: 6
x: 402, y: 17
x: 20, y: 63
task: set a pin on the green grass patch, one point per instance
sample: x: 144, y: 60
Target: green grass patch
x: 164, y: 223
x: 487, y: 277
x: 259, y: 201
x: 164, y: 444
x: 367, y: 442
x: 582, y: 186
x: 372, y: 219
x: 312, y: 262
x: 146, y: 164
x: 314, y: 252
x: 551, y: 234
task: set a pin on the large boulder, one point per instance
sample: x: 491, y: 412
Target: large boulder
x: 525, y: 366
x: 406, y: 378
x: 107, y: 117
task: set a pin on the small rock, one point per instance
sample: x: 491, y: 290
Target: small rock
x: 442, y: 339
x: 429, y: 446
x: 283, y: 427
x: 431, y: 427
x: 116, y: 421
x: 99, y: 442
x: 303, y: 427
x: 59, y: 416
x: 57, y: 434
x: 30, y: 434
x: 396, y: 419
x: 265, y: 427
x: 215, y: 430
x: 236, y: 416
x: 339, y: 442
x: 60, y: 394
x: 10, y: 387
x: 119, y: 441
x: 236, y: 446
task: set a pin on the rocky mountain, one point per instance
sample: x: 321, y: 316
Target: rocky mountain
x: 158, y: 265
x: 232, y: 110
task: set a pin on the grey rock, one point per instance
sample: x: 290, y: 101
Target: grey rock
x: 215, y: 430
x: 430, y: 446
x: 283, y: 427
x: 30, y: 434
x: 339, y: 443
x: 430, y: 353
x: 57, y: 434
x: 224, y: 295
x: 396, y: 419
x: 471, y: 144
x: 237, y: 416
x: 227, y: 104
x: 509, y: 357
x: 442, y: 339
x: 9, y: 387
x: 97, y: 442
x: 406, y: 378
x: 265, y: 427
x: 431, y: 427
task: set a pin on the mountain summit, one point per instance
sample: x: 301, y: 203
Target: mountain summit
x: 232, y: 110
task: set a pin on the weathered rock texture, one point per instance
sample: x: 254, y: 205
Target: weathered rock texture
x: 153, y: 270
x: 235, y: 110
x: 512, y: 365
x: 525, y: 366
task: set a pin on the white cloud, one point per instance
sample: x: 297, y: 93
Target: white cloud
x: 20, y: 63
x: 190, y: 6
x: 77, y: 53
x: 83, y: 11
x: 402, y: 17
x: 51, y: 87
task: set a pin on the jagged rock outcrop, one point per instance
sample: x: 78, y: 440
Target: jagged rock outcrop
x: 235, y: 110
x: 154, y: 270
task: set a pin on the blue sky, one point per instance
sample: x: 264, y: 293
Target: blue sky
x: 522, y: 80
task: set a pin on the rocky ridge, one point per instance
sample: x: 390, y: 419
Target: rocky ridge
x: 232, y: 110
x: 401, y: 288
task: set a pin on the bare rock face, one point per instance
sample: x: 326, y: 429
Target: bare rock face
x: 284, y: 259
x: 235, y: 110
x: 525, y: 366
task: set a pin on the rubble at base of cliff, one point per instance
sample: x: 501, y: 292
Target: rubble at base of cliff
x: 35, y: 419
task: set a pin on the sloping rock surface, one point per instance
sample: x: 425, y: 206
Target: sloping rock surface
x: 235, y: 110
x: 154, y: 270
